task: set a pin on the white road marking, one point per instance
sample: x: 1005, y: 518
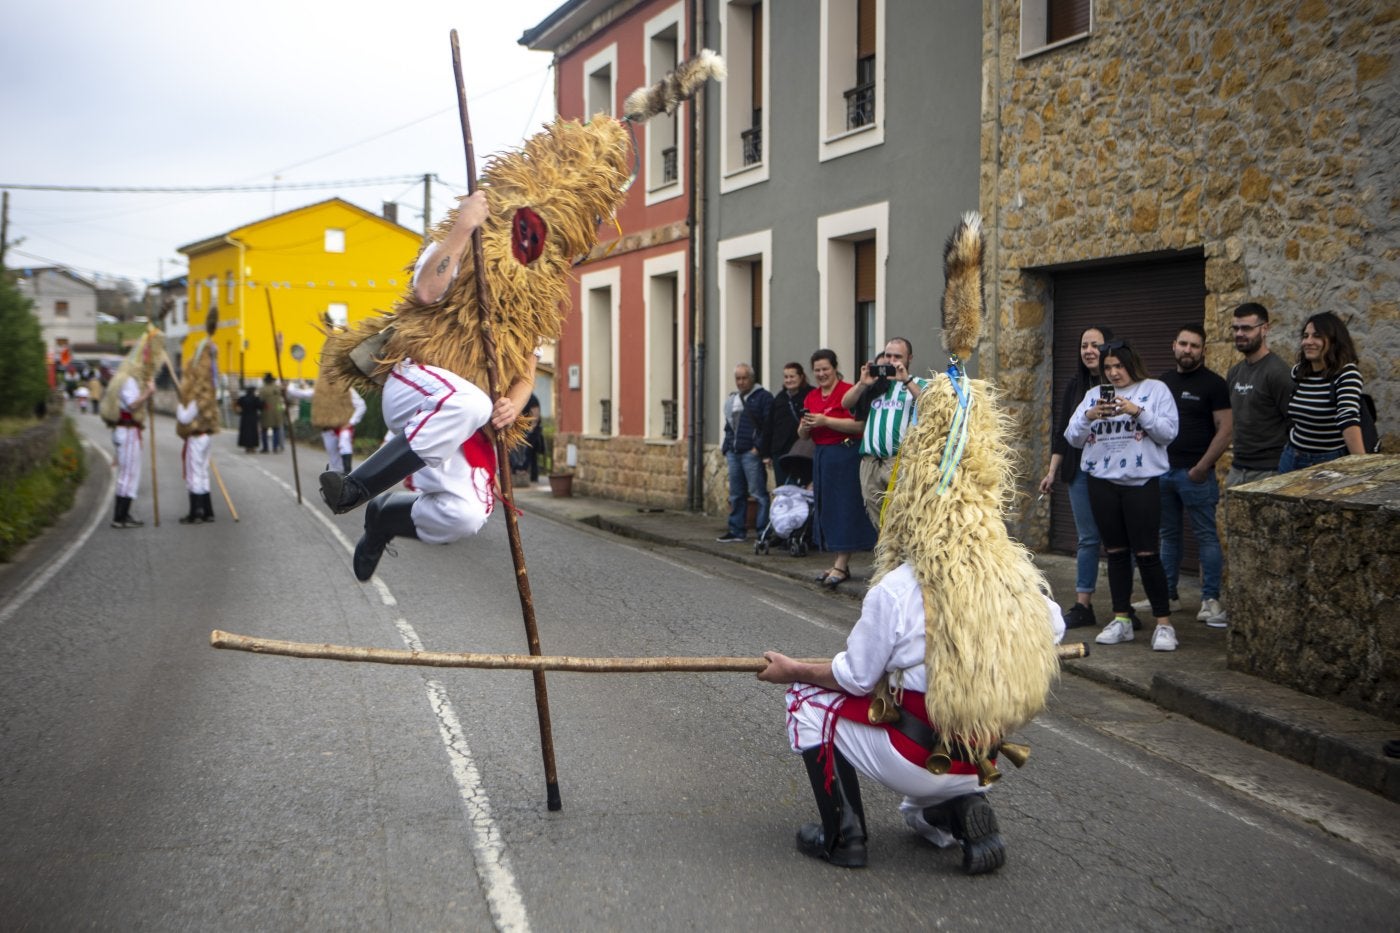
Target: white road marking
x: 44, y: 576
x: 488, y: 847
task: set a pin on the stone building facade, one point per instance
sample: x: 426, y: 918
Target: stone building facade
x: 1260, y: 137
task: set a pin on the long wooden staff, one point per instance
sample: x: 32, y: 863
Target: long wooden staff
x: 222, y: 488
x: 155, y: 486
x: 286, y: 423
x: 517, y: 662
x: 493, y: 373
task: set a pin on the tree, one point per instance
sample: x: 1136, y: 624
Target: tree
x: 24, y: 384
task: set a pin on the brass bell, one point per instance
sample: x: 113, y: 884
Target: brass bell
x: 1016, y: 752
x: 938, y: 763
x: 987, y: 772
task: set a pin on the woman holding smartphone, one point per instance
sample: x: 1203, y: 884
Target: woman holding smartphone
x: 1123, y: 428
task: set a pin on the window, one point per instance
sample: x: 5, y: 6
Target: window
x: 60, y: 309
x: 339, y: 313
x: 743, y: 115
x: 664, y: 133
x: 600, y: 83
x: 600, y: 295
x: 1049, y: 24
x: 852, y: 76
x: 664, y: 360
x: 335, y: 240
x: 745, y: 273
x: 852, y: 248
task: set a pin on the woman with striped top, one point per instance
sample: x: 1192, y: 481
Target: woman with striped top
x: 1326, y: 406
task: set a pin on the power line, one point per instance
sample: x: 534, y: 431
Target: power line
x: 216, y: 189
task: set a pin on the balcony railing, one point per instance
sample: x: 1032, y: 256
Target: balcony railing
x: 668, y: 165
x: 860, y: 106
x: 752, y: 139
x: 604, y: 416
x: 669, y: 429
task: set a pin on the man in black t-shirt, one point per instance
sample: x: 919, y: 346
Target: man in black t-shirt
x: 1189, y: 485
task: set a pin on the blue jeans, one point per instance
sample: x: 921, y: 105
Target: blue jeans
x: 1086, y: 576
x: 1294, y: 459
x: 1199, y: 501
x: 747, y: 477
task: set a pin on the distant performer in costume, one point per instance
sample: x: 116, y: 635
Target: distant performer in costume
x: 335, y: 408
x: 538, y: 210
x: 123, y: 408
x: 197, y: 421
x: 955, y: 646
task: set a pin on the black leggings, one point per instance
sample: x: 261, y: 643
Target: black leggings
x: 1130, y: 520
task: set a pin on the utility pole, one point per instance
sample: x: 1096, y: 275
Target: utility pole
x: 4, y: 228
x: 427, y: 204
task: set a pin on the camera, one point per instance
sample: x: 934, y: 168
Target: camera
x: 881, y: 370
x: 1107, y: 393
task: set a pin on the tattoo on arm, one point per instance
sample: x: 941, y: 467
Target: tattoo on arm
x: 442, y: 266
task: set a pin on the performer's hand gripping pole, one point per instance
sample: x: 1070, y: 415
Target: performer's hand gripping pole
x: 286, y: 421
x: 496, y: 390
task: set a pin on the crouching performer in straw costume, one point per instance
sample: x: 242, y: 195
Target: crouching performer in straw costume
x: 197, y: 421
x: 123, y: 408
x: 335, y: 408
x: 538, y: 211
x: 955, y: 646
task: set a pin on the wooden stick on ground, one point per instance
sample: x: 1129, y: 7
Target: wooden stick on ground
x: 493, y: 372
x: 222, y: 488
x: 515, y: 662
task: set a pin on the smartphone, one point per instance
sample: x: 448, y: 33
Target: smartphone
x: 1107, y: 393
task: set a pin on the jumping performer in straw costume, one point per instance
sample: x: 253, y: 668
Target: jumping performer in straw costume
x: 538, y: 211
x: 123, y: 408
x: 955, y: 646
x: 197, y: 421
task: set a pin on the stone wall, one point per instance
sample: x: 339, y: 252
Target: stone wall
x: 1314, y: 581
x: 628, y: 469
x: 1264, y: 134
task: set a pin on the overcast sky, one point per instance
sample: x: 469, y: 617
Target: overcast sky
x: 152, y: 93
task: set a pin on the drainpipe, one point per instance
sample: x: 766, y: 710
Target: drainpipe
x: 695, y: 406
x: 242, y: 310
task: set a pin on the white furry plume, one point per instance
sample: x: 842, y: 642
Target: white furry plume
x: 962, y: 286
x: 680, y: 85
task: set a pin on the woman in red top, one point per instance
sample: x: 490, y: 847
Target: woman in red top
x: 841, y: 524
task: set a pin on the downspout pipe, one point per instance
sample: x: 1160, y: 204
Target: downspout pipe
x: 242, y: 315
x: 695, y: 406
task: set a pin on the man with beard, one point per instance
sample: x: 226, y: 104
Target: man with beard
x: 1189, y: 485
x: 1260, y: 388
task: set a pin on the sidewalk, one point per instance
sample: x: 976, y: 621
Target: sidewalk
x: 1192, y: 681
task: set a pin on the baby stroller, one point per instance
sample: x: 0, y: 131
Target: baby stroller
x: 790, y: 512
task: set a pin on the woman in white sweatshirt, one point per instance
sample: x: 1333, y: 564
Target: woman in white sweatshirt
x: 1124, y: 427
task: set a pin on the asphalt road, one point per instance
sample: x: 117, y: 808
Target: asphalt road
x: 148, y: 781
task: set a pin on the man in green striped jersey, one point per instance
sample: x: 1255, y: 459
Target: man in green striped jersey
x: 890, y: 394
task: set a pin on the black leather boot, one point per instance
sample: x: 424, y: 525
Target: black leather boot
x: 840, y: 837
x: 195, y: 511
x: 384, y: 468
x: 345, y: 462
x: 388, y: 516
x: 206, y: 506
x: 971, y: 821
x: 122, y: 517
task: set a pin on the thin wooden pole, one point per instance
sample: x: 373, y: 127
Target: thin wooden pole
x: 517, y: 662
x: 222, y: 488
x: 493, y: 373
x: 155, y: 486
x: 277, y: 352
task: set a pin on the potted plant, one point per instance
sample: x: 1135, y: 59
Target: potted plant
x: 561, y: 485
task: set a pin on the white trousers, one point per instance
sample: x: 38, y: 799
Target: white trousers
x: 338, y: 441
x: 869, y: 750
x: 436, y: 411
x: 196, y: 463
x: 127, y: 441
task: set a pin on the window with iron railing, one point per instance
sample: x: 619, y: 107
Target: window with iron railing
x: 604, y: 416
x: 668, y: 164
x: 753, y: 140
x: 669, y: 428
x: 860, y: 100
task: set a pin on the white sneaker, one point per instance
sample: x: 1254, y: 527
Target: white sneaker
x: 1115, y: 632
x: 1213, y: 614
x: 1173, y: 605
x: 1164, y: 639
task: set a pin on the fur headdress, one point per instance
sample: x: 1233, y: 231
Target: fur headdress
x: 142, y: 362
x: 198, y: 383
x: 988, y: 650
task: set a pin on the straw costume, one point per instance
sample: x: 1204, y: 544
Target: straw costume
x: 954, y: 649
x: 197, y: 421
x: 123, y: 408
x: 543, y: 206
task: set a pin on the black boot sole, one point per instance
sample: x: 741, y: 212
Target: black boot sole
x: 975, y: 826
x: 811, y: 841
x: 340, y: 492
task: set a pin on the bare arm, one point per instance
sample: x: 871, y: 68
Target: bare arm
x: 782, y: 669
x: 509, y: 406
x: 1351, y: 434
x: 437, y: 269
x: 1224, y: 428
x: 1048, y: 479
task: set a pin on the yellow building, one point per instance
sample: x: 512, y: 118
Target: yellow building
x: 330, y: 258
